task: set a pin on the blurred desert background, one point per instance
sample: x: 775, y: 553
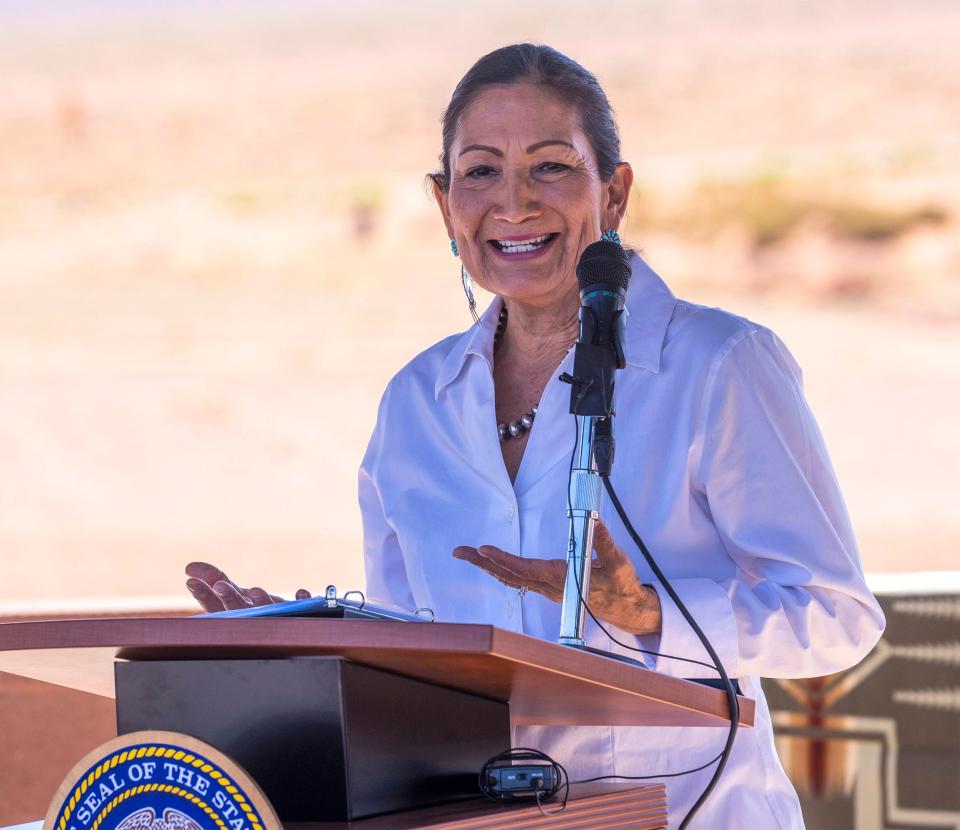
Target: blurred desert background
x: 216, y: 247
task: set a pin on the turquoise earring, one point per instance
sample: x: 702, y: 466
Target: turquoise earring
x: 611, y: 236
x: 467, y: 284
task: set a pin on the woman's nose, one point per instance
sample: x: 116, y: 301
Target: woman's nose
x: 519, y: 199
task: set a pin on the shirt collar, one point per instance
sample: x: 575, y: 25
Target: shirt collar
x: 649, y: 301
x: 651, y: 304
x: 477, y: 340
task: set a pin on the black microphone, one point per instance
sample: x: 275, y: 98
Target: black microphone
x: 603, y: 274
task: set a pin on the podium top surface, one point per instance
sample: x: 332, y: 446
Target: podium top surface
x: 544, y: 683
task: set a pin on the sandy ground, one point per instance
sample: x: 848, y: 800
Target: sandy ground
x: 216, y: 248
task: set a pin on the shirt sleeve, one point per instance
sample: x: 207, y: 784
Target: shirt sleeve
x: 386, y: 573
x: 797, y: 604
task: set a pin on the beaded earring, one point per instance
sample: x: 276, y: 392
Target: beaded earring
x: 611, y: 236
x: 467, y: 283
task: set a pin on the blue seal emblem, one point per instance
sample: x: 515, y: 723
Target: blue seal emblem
x: 159, y: 781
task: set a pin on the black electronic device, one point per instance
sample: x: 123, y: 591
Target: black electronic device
x: 523, y: 774
x: 522, y: 779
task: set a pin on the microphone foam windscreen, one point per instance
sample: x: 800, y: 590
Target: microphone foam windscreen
x: 604, y: 263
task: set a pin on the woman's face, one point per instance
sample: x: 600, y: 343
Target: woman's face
x: 525, y: 196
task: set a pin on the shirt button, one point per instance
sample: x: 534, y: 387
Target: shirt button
x: 510, y: 612
x: 511, y: 511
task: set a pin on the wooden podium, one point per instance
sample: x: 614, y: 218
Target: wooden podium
x: 532, y: 682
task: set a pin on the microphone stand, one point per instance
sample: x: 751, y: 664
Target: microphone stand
x: 585, y: 492
x: 593, y: 459
x: 602, y: 273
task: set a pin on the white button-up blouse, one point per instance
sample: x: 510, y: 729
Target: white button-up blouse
x: 722, y: 470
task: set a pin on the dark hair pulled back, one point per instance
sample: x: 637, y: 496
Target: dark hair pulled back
x: 533, y: 63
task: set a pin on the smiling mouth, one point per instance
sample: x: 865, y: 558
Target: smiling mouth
x: 525, y: 246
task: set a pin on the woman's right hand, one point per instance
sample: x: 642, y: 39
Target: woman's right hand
x: 215, y: 591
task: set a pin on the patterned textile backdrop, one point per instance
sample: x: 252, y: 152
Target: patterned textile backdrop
x: 878, y: 747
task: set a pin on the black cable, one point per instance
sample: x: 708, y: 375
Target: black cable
x: 665, y: 774
x: 732, y: 702
x: 543, y: 812
x: 712, y: 761
x: 640, y: 650
x: 573, y: 457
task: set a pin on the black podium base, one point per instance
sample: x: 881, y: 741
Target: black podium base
x: 326, y: 739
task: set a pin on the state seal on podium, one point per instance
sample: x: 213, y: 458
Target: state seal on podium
x: 159, y: 781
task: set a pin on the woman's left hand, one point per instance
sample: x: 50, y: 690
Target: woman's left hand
x: 617, y: 595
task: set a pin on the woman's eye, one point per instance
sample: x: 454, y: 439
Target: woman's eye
x: 554, y: 167
x: 479, y: 172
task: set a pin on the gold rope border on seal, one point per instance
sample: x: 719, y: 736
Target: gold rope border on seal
x: 155, y: 752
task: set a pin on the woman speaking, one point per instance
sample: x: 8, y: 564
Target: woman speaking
x: 720, y: 464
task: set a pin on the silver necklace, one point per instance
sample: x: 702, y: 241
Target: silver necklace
x: 511, y: 429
